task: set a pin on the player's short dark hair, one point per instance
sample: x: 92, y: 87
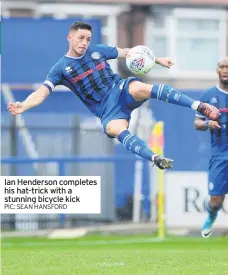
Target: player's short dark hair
x: 80, y: 25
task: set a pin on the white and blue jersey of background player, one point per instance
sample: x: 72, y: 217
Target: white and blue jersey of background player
x: 218, y: 165
x: 91, y: 78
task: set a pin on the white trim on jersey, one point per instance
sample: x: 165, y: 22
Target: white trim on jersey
x: 221, y: 90
x: 74, y: 57
x: 49, y: 84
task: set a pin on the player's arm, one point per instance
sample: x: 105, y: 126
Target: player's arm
x: 34, y: 99
x: 202, y: 124
x: 123, y: 52
x: 162, y: 61
x: 37, y: 97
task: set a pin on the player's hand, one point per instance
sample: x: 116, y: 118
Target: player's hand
x: 16, y: 108
x: 162, y: 162
x: 213, y: 125
x: 165, y: 62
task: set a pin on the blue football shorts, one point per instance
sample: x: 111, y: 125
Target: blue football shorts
x: 218, y: 177
x: 119, y: 104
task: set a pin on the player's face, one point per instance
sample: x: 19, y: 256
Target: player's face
x: 223, y: 71
x: 79, y: 41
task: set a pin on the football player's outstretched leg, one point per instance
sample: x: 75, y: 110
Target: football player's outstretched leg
x: 134, y: 95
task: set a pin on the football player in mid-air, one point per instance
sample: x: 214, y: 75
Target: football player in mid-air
x: 218, y: 165
x: 85, y: 71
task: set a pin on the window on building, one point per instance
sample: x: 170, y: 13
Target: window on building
x: 195, y: 39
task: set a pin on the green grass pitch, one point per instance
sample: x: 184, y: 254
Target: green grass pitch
x: 115, y: 255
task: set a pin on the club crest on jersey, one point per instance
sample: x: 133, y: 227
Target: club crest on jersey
x: 95, y: 55
x: 68, y: 69
x: 214, y: 100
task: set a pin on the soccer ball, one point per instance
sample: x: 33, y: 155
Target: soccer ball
x: 140, y: 60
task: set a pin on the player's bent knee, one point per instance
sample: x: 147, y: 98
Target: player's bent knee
x: 115, y: 127
x: 139, y: 91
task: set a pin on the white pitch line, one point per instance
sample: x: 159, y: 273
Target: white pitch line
x: 82, y: 243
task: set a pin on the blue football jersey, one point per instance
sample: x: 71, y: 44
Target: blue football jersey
x: 219, y: 137
x: 90, y: 76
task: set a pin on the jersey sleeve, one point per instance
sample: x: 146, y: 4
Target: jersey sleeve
x: 108, y: 52
x: 53, y: 78
x: 204, y: 98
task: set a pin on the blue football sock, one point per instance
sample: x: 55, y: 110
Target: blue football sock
x: 135, y: 145
x: 168, y: 94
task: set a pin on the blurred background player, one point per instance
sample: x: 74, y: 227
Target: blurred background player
x: 85, y: 71
x: 218, y: 166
